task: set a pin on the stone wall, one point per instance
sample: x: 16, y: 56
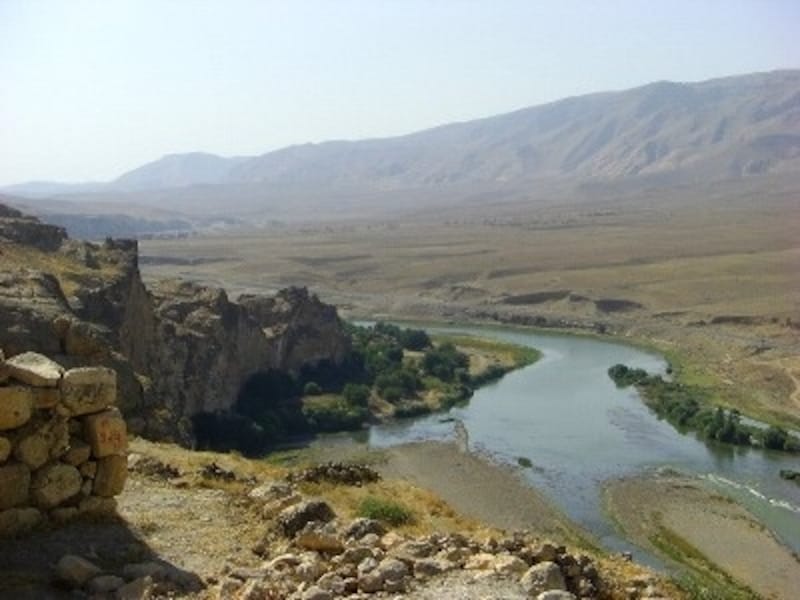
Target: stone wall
x: 63, y: 444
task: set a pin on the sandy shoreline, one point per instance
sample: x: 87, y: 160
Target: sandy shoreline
x: 681, y: 519
x: 472, y: 484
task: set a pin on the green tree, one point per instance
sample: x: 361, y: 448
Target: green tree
x: 356, y: 394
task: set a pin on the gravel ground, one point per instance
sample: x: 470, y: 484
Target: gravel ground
x: 464, y: 586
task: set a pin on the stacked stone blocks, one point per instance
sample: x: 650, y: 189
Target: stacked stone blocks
x: 63, y: 444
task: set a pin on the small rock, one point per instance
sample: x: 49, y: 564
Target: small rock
x: 391, y: 568
x: 78, y: 452
x: 333, y: 582
x: 270, y: 509
x: 75, y: 570
x: 415, y: 548
x: 367, y: 565
x: 293, y: 519
x: 543, y: 577
x: 506, y: 564
x: 555, y: 595
x: 283, y: 562
x: 370, y: 582
x: 270, y: 491
x: 388, y: 541
x: 317, y: 593
x: 355, y: 554
x: 394, y: 586
x: 361, y: 527
x: 18, y: 520
x: 319, y: 538
x: 480, y: 562
x: 105, y: 584
x: 138, y: 589
x: 545, y: 553
x: 34, y: 369
x: 89, y: 469
x: 456, y: 555
x: 310, y: 568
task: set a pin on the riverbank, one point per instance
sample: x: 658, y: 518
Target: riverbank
x: 480, y: 489
x: 689, y: 525
x: 474, y: 485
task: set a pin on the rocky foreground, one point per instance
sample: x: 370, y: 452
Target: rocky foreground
x: 204, y: 525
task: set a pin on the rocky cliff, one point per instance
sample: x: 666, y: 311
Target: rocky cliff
x: 178, y: 348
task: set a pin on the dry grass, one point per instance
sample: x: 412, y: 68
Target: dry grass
x: 71, y: 273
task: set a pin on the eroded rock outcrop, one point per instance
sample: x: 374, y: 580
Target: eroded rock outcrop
x: 178, y: 349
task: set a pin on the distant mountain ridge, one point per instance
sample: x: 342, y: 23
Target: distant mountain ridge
x: 716, y: 129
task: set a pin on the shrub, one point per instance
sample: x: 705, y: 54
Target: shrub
x: 775, y: 438
x: 387, y: 511
x: 411, y: 409
x: 334, y: 415
x: 356, y: 394
x: 312, y: 389
x: 392, y: 394
x: 445, y: 362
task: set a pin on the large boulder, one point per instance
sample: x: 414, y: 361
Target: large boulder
x: 16, y: 406
x: 34, y: 369
x: 112, y: 472
x: 106, y: 433
x: 88, y: 389
x: 15, y: 480
x: 50, y: 439
x: 54, y: 484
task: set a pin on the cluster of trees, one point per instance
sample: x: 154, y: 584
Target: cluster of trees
x: 273, y: 406
x: 689, y: 408
x: 446, y: 363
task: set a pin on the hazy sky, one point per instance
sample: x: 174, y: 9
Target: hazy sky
x: 91, y: 89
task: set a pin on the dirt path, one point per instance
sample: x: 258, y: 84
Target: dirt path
x: 677, y: 515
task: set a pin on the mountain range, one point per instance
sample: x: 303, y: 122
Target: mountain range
x: 671, y: 133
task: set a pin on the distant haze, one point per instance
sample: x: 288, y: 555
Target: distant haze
x: 94, y: 89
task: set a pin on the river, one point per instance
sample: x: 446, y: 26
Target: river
x: 568, y: 418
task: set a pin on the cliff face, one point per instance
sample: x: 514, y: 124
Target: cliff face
x: 179, y: 348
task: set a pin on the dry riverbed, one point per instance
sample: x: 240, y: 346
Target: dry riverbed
x: 723, y: 545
